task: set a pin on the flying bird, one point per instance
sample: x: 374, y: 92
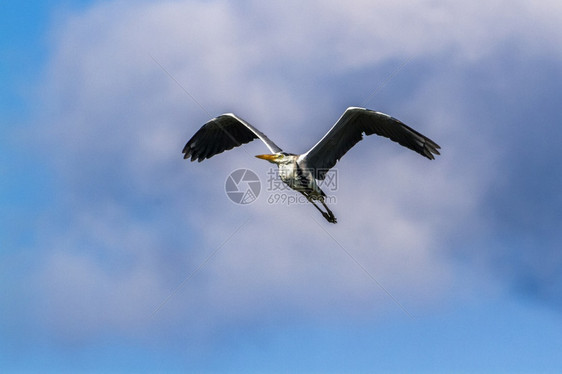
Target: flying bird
x: 300, y: 172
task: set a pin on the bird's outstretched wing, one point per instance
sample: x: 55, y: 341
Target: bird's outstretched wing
x: 221, y: 134
x: 349, y: 130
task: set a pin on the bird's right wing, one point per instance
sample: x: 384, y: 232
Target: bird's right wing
x: 349, y: 130
x: 221, y: 134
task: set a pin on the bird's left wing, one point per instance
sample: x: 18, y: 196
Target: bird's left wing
x: 221, y: 134
x: 349, y: 130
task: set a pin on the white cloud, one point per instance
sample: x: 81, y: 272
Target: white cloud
x: 119, y: 123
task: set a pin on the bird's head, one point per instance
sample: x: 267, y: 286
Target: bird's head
x: 276, y: 158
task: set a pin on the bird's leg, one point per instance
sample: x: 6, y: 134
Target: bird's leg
x: 329, y: 215
x: 312, y: 201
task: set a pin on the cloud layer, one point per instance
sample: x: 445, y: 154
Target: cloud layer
x: 129, y: 83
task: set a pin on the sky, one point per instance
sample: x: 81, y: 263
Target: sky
x: 119, y: 256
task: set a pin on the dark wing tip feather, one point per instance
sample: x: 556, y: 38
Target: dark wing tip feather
x: 406, y: 136
x: 216, y: 136
x: 430, y: 149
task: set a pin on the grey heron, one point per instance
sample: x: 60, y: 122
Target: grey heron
x: 300, y: 172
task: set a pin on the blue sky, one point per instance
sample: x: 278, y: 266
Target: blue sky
x: 119, y: 256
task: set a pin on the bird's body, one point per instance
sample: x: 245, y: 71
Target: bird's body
x: 300, y: 172
x: 295, y: 176
x: 301, y: 179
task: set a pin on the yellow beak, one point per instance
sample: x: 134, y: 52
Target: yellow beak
x: 268, y: 157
